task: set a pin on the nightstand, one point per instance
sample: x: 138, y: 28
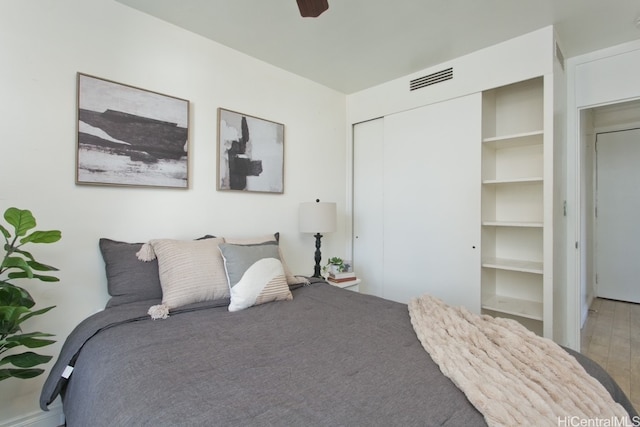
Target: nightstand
x: 352, y: 285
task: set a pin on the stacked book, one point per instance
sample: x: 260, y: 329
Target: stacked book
x: 341, y: 277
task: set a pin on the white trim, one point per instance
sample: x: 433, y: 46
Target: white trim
x: 53, y: 418
x: 572, y: 321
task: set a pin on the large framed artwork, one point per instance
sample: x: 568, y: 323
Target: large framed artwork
x: 130, y: 136
x: 250, y: 153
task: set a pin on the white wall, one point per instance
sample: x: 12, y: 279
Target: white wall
x: 42, y: 45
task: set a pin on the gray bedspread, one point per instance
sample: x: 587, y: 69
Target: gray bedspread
x: 330, y: 357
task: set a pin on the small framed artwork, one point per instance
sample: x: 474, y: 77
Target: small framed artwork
x: 130, y: 136
x: 250, y: 153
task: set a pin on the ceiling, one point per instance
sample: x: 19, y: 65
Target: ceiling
x: 357, y: 44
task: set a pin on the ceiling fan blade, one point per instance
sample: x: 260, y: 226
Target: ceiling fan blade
x: 312, y: 8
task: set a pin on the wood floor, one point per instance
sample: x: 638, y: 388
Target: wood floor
x: 611, y: 337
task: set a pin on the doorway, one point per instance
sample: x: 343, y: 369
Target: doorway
x: 605, y: 332
x: 617, y: 229
x: 596, y: 121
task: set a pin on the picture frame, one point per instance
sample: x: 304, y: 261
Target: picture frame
x: 250, y: 153
x: 128, y: 136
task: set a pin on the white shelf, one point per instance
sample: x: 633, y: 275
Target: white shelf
x: 514, y: 204
x: 513, y: 306
x: 533, y: 267
x: 529, y: 224
x: 530, y: 180
x: 514, y: 140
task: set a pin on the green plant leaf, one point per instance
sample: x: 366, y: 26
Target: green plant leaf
x: 11, y: 295
x: 23, y: 275
x: 5, y: 232
x: 27, y: 359
x: 46, y: 278
x: 19, y: 275
x: 37, y: 313
x: 30, y: 340
x: 17, y: 262
x: 7, y: 329
x: 21, y: 219
x: 12, y: 313
x: 20, y: 373
x: 36, y: 334
x: 10, y: 319
x: 41, y: 267
x: 7, y: 345
x: 49, y: 236
x: 24, y: 253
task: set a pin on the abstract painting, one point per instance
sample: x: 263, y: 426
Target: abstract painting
x: 130, y: 136
x: 250, y: 153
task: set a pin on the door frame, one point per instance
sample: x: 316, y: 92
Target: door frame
x: 622, y: 65
x: 622, y: 127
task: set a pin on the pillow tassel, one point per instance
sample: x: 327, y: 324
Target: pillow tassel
x: 302, y: 279
x: 146, y: 253
x: 160, y: 311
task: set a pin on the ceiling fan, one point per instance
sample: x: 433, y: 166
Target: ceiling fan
x: 312, y: 8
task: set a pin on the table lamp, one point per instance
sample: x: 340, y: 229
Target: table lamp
x: 317, y: 217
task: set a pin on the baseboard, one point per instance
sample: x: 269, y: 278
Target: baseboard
x: 585, y: 311
x: 53, y: 418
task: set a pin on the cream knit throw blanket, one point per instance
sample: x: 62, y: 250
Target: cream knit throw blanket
x: 512, y: 376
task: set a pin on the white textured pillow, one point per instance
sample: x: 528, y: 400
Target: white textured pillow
x: 255, y: 274
x: 190, y: 270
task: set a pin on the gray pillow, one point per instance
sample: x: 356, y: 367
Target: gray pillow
x: 291, y: 279
x: 255, y: 274
x: 129, y: 279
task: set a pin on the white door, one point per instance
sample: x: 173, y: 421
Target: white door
x: 368, y: 163
x: 618, y: 215
x: 432, y: 202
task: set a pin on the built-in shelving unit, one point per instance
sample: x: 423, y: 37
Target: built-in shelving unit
x: 513, y: 203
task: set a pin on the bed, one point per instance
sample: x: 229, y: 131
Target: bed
x: 326, y: 356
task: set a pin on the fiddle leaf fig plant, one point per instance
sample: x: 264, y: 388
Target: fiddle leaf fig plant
x: 15, y: 302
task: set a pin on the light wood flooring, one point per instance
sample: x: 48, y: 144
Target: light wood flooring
x: 611, y: 337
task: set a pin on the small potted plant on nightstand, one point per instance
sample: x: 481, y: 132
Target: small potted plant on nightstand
x: 340, y: 273
x: 334, y: 265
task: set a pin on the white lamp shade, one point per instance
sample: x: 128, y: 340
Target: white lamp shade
x: 317, y: 217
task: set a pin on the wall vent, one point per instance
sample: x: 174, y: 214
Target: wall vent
x: 431, y: 79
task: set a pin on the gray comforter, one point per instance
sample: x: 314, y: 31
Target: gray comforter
x: 330, y: 357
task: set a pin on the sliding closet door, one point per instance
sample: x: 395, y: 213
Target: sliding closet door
x: 431, y: 214
x: 368, y: 164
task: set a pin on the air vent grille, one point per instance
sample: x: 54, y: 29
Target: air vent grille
x: 431, y: 79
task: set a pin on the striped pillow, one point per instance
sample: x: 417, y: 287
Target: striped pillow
x: 255, y: 274
x: 190, y: 270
